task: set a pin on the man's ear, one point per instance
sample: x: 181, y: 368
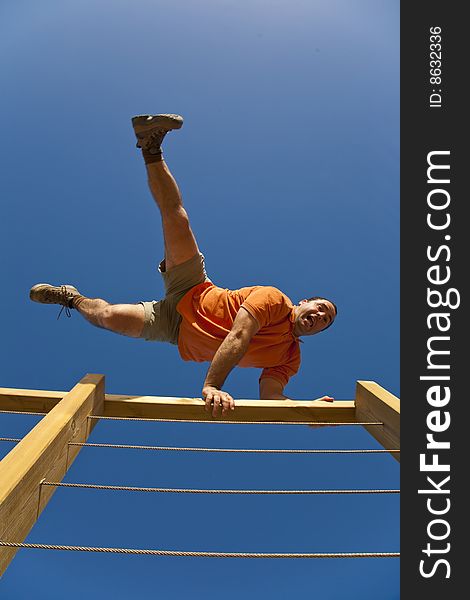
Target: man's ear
x: 303, y: 301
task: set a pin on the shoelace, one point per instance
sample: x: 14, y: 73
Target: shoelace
x: 155, y: 136
x: 65, y: 296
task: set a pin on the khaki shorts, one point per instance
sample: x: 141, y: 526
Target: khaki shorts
x: 162, y: 321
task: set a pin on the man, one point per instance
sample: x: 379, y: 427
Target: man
x: 255, y: 326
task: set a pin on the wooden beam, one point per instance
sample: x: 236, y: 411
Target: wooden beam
x: 245, y: 410
x: 44, y: 453
x: 38, y: 401
x: 374, y: 403
x: 154, y: 407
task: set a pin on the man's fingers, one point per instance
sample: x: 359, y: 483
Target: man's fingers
x: 217, y: 402
x: 228, y: 404
x: 208, y: 401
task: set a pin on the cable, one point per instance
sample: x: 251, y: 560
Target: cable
x: 21, y: 412
x: 241, y: 450
x: 236, y: 450
x: 203, y: 554
x: 319, y: 423
x: 316, y: 423
x: 127, y: 488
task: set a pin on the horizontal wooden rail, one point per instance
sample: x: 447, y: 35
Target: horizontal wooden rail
x: 116, y: 405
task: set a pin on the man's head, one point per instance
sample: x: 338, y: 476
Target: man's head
x: 313, y: 315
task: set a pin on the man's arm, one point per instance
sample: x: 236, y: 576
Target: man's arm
x: 229, y: 354
x: 272, y: 389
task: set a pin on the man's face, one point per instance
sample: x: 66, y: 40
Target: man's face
x: 311, y: 316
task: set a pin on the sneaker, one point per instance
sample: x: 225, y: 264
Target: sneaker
x: 51, y: 294
x: 151, y: 129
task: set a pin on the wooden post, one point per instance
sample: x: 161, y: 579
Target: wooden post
x: 374, y: 403
x: 44, y: 453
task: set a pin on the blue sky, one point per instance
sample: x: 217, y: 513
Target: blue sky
x: 288, y: 162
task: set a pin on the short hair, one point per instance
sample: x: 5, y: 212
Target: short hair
x: 331, y: 302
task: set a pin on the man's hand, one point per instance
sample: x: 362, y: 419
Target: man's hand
x: 325, y: 399
x: 218, y: 399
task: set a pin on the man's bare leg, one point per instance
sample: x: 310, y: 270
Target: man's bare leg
x: 150, y: 130
x: 126, y: 319
x: 180, y: 243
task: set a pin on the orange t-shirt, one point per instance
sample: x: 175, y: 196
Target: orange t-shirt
x: 208, y: 313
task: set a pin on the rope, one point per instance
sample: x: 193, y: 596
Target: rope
x: 240, y: 450
x: 232, y: 422
x: 20, y: 412
x: 318, y: 423
x: 203, y: 554
x: 248, y: 450
x: 127, y: 488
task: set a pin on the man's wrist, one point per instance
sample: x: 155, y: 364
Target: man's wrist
x: 212, y: 385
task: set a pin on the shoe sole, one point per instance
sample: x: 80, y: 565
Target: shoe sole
x: 143, y: 123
